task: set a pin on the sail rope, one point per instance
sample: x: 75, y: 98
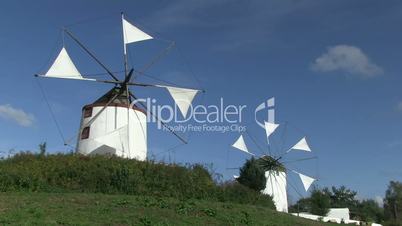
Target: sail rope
x: 51, y: 112
x: 260, y: 149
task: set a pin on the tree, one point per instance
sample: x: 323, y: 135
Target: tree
x: 342, y: 197
x: 252, y: 175
x: 320, y: 202
x: 369, y: 211
x: 393, y: 202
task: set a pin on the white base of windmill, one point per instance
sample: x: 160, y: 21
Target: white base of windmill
x: 276, y: 188
x: 116, y: 131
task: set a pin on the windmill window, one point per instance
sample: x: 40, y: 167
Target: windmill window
x: 87, y: 112
x: 85, y: 133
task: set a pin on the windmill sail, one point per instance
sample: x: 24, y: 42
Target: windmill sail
x: 63, y: 67
x: 241, y: 145
x: 306, y: 180
x: 270, y: 128
x: 182, y: 97
x: 301, y: 145
x: 132, y: 34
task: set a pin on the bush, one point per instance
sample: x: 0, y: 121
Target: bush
x: 319, y: 203
x: 114, y: 175
x: 235, y: 192
x: 252, y: 175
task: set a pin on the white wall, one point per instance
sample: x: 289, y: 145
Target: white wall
x: 117, y: 130
x: 276, y: 187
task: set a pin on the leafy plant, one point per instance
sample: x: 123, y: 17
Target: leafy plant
x: 113, y: 175
x: 252, y: 175
x: 319, y: 203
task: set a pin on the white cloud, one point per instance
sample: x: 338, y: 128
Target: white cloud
x: 349, y: 59
x: 17, y: 115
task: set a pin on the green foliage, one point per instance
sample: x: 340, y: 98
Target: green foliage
x: 113, y: 175
x: 370, y: 211
x: 238, y: 193
x: 252, y: 175
x: 393, y: 203
x: 342, y: 197
x: 366, y: 210
x: 319, y: 203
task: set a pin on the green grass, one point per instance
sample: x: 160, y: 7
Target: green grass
x: 31, y: 208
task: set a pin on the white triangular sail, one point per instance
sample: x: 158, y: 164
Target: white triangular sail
x: 306, y: 180
x: 182, y: 97
x: 132, y: 34
x: 63, y: 67
x: 241, y: 145
x: 270, y: 128
x: 301, y: 145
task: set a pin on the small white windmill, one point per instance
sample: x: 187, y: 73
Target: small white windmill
x: 114, y: 124
x: 276, y: 170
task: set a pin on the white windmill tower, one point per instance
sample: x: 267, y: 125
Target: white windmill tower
x: 115, y: 123
x: 276, y: 170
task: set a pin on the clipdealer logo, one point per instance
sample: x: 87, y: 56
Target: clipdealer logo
x: 220, y: 117
x: 268, y: 105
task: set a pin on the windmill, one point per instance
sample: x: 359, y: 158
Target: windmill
x: 116, y: 123
x: 276, y: 169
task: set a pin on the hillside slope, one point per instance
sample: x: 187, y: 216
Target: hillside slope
x: 100, y: 209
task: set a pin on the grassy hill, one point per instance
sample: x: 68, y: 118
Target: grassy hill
x: 100, y: 209
x: 105, y: 190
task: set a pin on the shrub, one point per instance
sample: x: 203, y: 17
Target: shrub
x: 252, y: 175
x: 114, y: 175
x: 235, y: 192
x: 319, y: 203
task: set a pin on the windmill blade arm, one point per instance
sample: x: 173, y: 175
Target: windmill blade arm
x: 91, y: 54
x: 73, y: 78
x: 158, y: 86
x: 140, y: 84
x: 300, y: 160
x: 128, y: 77
x: 162, y: 123
x: 80, y: 79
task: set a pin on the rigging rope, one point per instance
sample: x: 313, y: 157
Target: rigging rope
x: 187, y: 64
x: 106, y: 16
x: 51, y: 111
x: 261, y: 150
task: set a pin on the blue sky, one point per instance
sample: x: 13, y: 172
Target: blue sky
x: 333, y: 67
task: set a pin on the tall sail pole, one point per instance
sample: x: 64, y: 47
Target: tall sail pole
x: 126, y: 80
x: 124, y: 46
